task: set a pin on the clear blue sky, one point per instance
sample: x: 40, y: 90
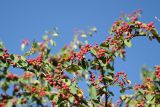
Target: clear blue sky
x: 21, y: 19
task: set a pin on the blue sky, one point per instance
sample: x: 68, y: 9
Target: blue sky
x: 21, y: 19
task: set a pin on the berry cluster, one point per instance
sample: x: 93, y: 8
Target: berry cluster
x: 100, y: 78
x: 36, y: 90
x: 5, y: 56
x: 42, y: 93
x: 77, y: 99
x: 58, y: 68
x: 134, y: 18
x: 33, y: 90
x: 16, y: 88
x: 139, y: 86
x: 100, y: 52
x: 109, y: 38
x: 49, y: 78
x: 23, y: 101
x: 25, y: 42
x: 11, y: 76
x: 92, y: 78
x: 35, y: 61
x: 72, y: 56
x: 83, y: 51
x: 59, y: 84
x: 4, y: 98
x: 123, y: 77
x: 120, y: 27
x: 118, y: 102
x: 150, y: 26
x: 42, y: 46
x: 157, y: 71
x: 141, y: 104
x: 53, y: 104
x: 93, y: 81
x: 28, y: 75
x: 2, y: 104
x: 124, y: 28
x: 54, y: 69
x: 147, y: 27
x: 148, y: 80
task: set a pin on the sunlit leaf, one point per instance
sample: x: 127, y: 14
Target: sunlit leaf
x: 127, y: 43
x: 92, y: 92
x: 22, y: 46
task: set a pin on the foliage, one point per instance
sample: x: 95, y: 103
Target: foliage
x: 52, y: 79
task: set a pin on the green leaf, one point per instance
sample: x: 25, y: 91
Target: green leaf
x: 83, y: 35
x: 67, y: 81
x: 71, y: 99
x: 157, y: 84
x: 9, y: 104
x: 92, y: 92
x: 149, y: 97
x: 5, y: 86
x: 123, y: 97
x: 127, y: 18
x: 23, y: 58
x: 111, y: 93
x: 72, y: 68
x: 122, y: 56
x: 1, y: 44
x: 93, y: 51
x: 102, y: 64
x: 73, y: 88
x: 110, y: 73
x: 108, y: 78
x: 51, y: 97
x: 14, y: 58
x: 93, y: 29
x: 127, y: 43
x: 155, y: 34
x: 35, y: 44
x: 141, y: 91
x: 84, y: 64
x: 53, y: 43
x: 55, y: 34
x: 27, y: 53
x: 1, y: 53
x: 23, y: 46
x: 89, y: 33
x: 45, y: 37
x: 59, y: 100
x: 122, y: 90
x: 116, y: 53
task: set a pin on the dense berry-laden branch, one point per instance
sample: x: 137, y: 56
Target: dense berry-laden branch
x: 55, y: 78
